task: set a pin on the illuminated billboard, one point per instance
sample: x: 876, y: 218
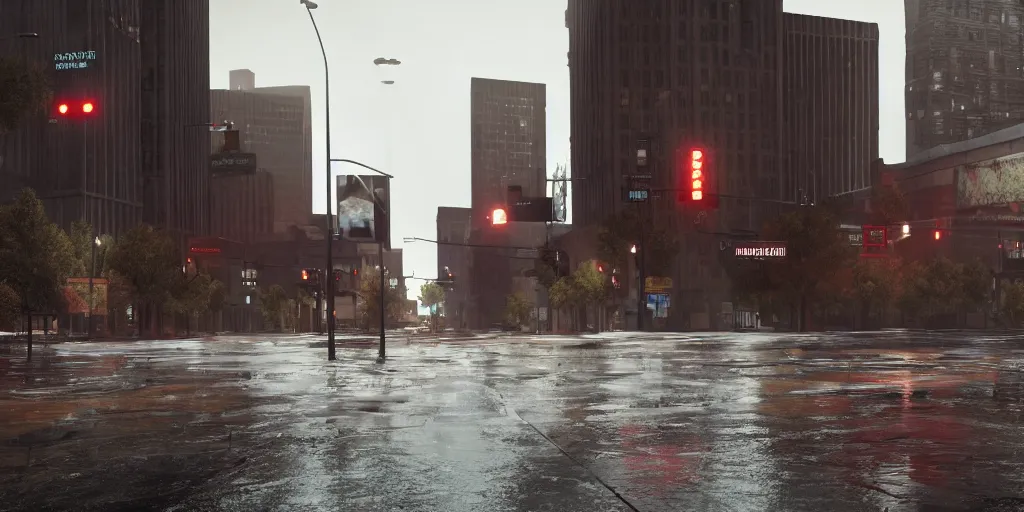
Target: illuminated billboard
x: 364, y: 204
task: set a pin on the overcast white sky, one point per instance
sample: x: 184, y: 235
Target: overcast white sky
x: 418, y: 129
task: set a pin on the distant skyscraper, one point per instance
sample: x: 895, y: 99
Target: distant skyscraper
x: 175, y: 39
x: 274, y: 123
x: 453, y: 230
x: 509, y: 141
x: 830, y: 106
x: 82, y: 171
x: 964, y: 69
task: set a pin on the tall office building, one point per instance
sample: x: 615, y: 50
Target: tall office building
x: 175, y: 38
x: 739, y: 80
x: 830, y: 106
x: 661, y: 76
x: 453, y: 231
x: 963, y: 72
x: 88, y: 167
x: 509, y: 141
x: 509, y: 148
x: 275, y: 124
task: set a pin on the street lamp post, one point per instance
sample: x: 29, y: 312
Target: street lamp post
x: 92, y: 301
x: 329, y: 233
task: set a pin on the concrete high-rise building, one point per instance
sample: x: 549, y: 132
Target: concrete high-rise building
x: 509, y: 148
x: 509, y: 141
x: 739, y: 80
x: 175, y: 40
x: 660, y: 78
x: 963, y: 72
x: 274, y: 123
x: 81, y: 170
x: 830, y: 106
x: 453, y: 231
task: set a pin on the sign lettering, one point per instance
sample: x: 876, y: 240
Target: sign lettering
x: 205, y: 250
x: 73, y: 60
x: 759, y: 250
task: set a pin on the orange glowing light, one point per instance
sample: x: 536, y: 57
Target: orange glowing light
x: 499, y: 217
x: 87, y: 107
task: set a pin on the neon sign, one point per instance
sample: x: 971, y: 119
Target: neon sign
x: 73, y: 60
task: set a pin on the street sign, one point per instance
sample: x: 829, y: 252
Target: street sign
x: 636, y: 195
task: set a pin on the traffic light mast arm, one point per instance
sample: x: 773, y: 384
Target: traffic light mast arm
x: 408, y: 239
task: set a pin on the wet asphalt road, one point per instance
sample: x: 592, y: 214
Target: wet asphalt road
x: 897, y: 421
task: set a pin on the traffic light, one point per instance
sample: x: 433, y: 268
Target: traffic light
x: 937, y: 235
x: 499, y: 217
x: 76, y: 108
x: 697, y: 177
x: 305, y: 274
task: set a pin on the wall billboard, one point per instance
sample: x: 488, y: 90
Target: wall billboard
x: 990, y: 182
x: 364, y: 204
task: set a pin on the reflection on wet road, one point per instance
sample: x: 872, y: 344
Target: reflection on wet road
x: 897, y: 421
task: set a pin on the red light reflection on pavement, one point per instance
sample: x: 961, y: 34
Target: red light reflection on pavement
x: 660, y: 467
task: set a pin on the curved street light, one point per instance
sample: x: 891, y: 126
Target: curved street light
x: 328, y: 233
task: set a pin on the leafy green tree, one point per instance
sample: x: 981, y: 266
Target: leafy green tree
x: 621, y: 231
x: 432, y: 296
x: 888, y: 205
x: 25, y: 91
x: 933, y: 290
x: 876, y: 285
x: 369, y: 308
x: 10, y: 309
x: 148, y: 262
x: 562, y: 295
x: 1012, y: 306
x: 977, y: 285
x: 35, y: 255
x: 273, y: 305
x: 191, y: 297
x: 815, y: 249
x: 517, y: 310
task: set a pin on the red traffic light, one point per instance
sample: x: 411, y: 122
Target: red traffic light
x: 938, y: 235
x: 63, y: 108
x: 697, y: 174
x: 87, y: 107
x: 499, y: 217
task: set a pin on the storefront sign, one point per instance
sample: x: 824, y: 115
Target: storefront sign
x: 658, y: 285
x: 760, y: 250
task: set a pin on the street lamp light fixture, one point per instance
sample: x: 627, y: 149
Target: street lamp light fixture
x: 309, y: 4
x: 632, y: 250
